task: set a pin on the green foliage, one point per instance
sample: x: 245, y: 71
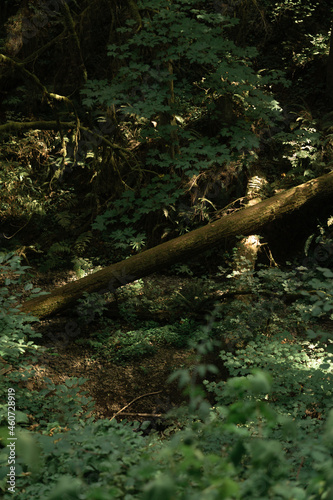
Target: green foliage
x: 82, y: 267
x: 130, y: 209
x: 182, y: 269
x: 268, y: 434
x: 16, y: 334
x: 266, y: 431
x: 302, y: 382
x: 318, y: 295
x: 58, y: 256
x: 192, y: 297
x: 302, y: 149
x: 91, y: 307
x: 64, y: 219
x: 62, y: 254
x: 106, y: 449
x: 123, y: 346
x: 126, y: 238
x: 20, y: 163
x: 212, y: 80
x: 230, y: 451
x: 316, y: 46
x: 298, y: 10
x: 82, y: 242
x: 19, y: 195
x: 51, y: 406
x: 15, y: 327
x: 127, y: 346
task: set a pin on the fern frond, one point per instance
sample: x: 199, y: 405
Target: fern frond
x: 82, y: 242
x: 59, y: 247
x: 64, y: 219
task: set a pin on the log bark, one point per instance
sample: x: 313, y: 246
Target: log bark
x: 245, y: 222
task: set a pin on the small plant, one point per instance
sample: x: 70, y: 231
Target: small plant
x: 125, y: 346
x: 58, y: 256
x: 128, y: 346
x: 193, y: 296
x: 317, y: 303
x: 318, y: 248
x: 91, y: 307
x: 182, y: 269
x: 83, y: 267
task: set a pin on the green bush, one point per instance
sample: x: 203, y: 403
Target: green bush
x: 15, y: 327
x: 124, y: 346
x: 268, y: 434
x: 238, y: 450
x: 205, y: 121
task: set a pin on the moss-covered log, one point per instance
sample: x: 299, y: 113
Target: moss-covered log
x: 248, y: 221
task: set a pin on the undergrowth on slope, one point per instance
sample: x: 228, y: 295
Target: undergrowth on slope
x: 268, y: 434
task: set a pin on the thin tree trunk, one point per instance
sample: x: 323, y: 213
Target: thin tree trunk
x: 245, y: 222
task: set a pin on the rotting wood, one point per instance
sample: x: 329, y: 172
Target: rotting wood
x: 245, y: 222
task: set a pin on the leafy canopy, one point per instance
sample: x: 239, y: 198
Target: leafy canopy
x: 181, y: 72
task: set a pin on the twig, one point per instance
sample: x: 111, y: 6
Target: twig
x: 299, y: 468
x: 132, y: 414
x: 139, y: 397
x: 20, y: 229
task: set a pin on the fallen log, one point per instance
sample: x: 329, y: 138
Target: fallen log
x: 249, y: 220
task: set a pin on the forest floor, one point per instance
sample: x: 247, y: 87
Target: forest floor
x: 138, y: 390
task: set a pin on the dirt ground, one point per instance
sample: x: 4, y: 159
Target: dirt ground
x: 136, y: 391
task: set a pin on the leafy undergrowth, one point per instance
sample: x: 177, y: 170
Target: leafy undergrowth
x: 265, y: 431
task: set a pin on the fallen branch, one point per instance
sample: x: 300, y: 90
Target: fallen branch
x: 153, y: 415
x: 133, y: 401
x: 247, y: 221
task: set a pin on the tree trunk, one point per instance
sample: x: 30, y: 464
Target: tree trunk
x: 245, y: 222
